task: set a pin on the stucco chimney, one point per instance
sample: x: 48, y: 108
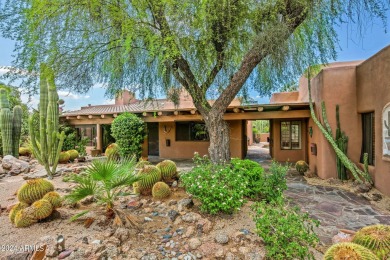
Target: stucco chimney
x: 125, y: 98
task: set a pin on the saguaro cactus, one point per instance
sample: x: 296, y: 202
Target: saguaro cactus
x: 50, y: 140
x: 11, y: 125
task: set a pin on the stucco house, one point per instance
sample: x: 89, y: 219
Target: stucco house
x: 360, y: 88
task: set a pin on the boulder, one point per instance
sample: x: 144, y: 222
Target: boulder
x: 14, y: 166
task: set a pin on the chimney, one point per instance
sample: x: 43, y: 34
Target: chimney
x: 125, y: 98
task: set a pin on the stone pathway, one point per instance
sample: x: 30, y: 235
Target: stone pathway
x: 334, y: 208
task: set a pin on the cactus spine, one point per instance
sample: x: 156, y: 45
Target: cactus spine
x: 10, y: 124
x: 160, y: 190
x: 50, y: 141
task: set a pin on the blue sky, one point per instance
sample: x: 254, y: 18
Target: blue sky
x: 352, y: 46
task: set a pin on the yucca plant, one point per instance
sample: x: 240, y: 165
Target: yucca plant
x: 105, y: 180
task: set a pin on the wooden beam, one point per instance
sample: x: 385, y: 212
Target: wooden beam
x: 81, y: 117
x: 70, y: 117
x: 145, y: 114
x: 193, y: 111
x: 260, y: 109
x: 106, y: 116
x: 93, y: 116
x: 285, y: 108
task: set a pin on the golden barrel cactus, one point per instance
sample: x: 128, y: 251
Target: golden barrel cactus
x: 168, y: 169
x: 161, y: 190
x: 25, y: 217
x: 54, y: 198
x: 301, y: 167
x: 349, y: 251
x: 15, y: 209
x: 64, y: 157
x: 150, y: 174
x: 73, y: 154
x: 376, y: 238
x: 34, y: 190
x: 41, y: 209
x: 112, y: 152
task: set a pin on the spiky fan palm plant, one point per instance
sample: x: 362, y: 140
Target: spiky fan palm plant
x: 105, y: 180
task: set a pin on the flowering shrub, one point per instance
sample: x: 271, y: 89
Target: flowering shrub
x: 274, y: 183
x: 218, y: 187
x: 253, y: 173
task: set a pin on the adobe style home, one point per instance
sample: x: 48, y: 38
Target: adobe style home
x: 360, y: 88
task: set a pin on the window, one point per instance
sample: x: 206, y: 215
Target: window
x: 290, y: 135
x: 368, y: 142
x: 191, y: 131
x: 88, y: 131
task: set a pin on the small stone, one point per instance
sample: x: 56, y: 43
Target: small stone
x: 204, y: 225
x: 134, y: 204
x: 174, y: 184
x: 220, y: 253
x: 172, y: 202
x: 155, y: 214
x: 376, y: 197
x: 190, y: 231
x: 147, y: 219
x: 191, y: 217
x: 245, y: 231
x: 148, y: 210
x: 167, y: 236
x: 185, y: 204
x: 65, y: 254
x: 363, y: 188
x: 84, y: 240
x: 221, y: 238
x: 172, y: 214
x: 97, y: 242
x: 194, y: 243
x: 244, y: 250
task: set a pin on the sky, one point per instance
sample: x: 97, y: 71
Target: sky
x: 353, y: 45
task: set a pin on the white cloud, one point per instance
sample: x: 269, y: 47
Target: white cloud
x: 109, y: 102
x: 70, y: 95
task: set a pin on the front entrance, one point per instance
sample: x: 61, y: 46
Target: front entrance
x: 153, y: 140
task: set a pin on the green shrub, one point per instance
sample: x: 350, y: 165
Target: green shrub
x: 129, y: 133
x: 274, y: 182
x: 287, y: 233
x: 218, y: 187
x: 70, y: 140
x: 253, y: 174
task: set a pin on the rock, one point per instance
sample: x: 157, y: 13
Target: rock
x: 172, y: 214
x: 231, y: 256
x: 84, y: 240
x: 148, y: 210
x: 204, y: 225
x: 238, y: 236
x: 134, y: 204
x: 65, y: 254
x: 333, y: 181
x: 14, y: 166
x: 1, y: 170
x: 190, y: 230
x: 376, y: 196
x: 220, y: 253
x: 363, y: 188
x: 341, y: 237
x: 174, y: 184
x: 191, y: 217
x: 209, y: 249
x: 221, y: 238
x: 172, y: 202
x: 39, y: 253
x: 244, y: 250
x: 36, y: 175
x: 185, y: 204
x: 97, y: 242
x: 114, y: 241
x: 122, y: 234
x: 194, y: 243
x: 147, y: 219
x: 18, y: 256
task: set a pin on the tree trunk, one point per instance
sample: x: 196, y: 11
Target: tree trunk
x: 219, y: 132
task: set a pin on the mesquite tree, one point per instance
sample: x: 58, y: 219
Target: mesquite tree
x: 47, y: 145
x: 211, y: 48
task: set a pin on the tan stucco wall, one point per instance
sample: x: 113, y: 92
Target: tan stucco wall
x: 287, y: 155
x: 186, y: 149
x: 373, y: 93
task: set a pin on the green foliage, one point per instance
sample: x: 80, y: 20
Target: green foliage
x: 376, y: 238
x: 81, y: 146
x: 287, y: 233
x: 34, y: 190
x: 129, y: 133
x: 301, y: 167
x: 252, y: 173
x: 168, y: 170
x: 42, y: 209
x: 48, y: 144
x: 349, y: 251
x: 218, y: 187
x: 149, y: 175
x: 54, y: 198
x: 161, y: 190
x: 15, y: 209
x: 274, y: 183
x: 105, y: 180
x: 70, y: 140
x: 261, y: 126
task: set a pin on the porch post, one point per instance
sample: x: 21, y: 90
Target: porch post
x: 99, y: 138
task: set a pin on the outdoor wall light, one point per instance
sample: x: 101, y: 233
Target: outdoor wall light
x: 60, y: 243
x: 310, y: 131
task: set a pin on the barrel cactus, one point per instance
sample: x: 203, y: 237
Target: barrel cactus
x: 25, y: 217
x: 10, y: 125
x: 54, y: 198
x: 141, y: 164
x: 301, y: 167
x: 34, y: 190
x: 42, y: 209
x: 168, y: 170
x: 161, y: 190
x: 64, y: 157
x: 15, y: 209
x: 24, y: 151
x: 376, y: 238
x: 73, y: 154
x: 347, y: 250
x: 150, y: 174
x: 112, y: 152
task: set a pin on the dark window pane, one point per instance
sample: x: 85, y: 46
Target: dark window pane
x: 368, y: 133
x: 191, y: 131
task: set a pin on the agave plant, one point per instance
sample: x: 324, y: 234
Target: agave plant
x: 105, y: 181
